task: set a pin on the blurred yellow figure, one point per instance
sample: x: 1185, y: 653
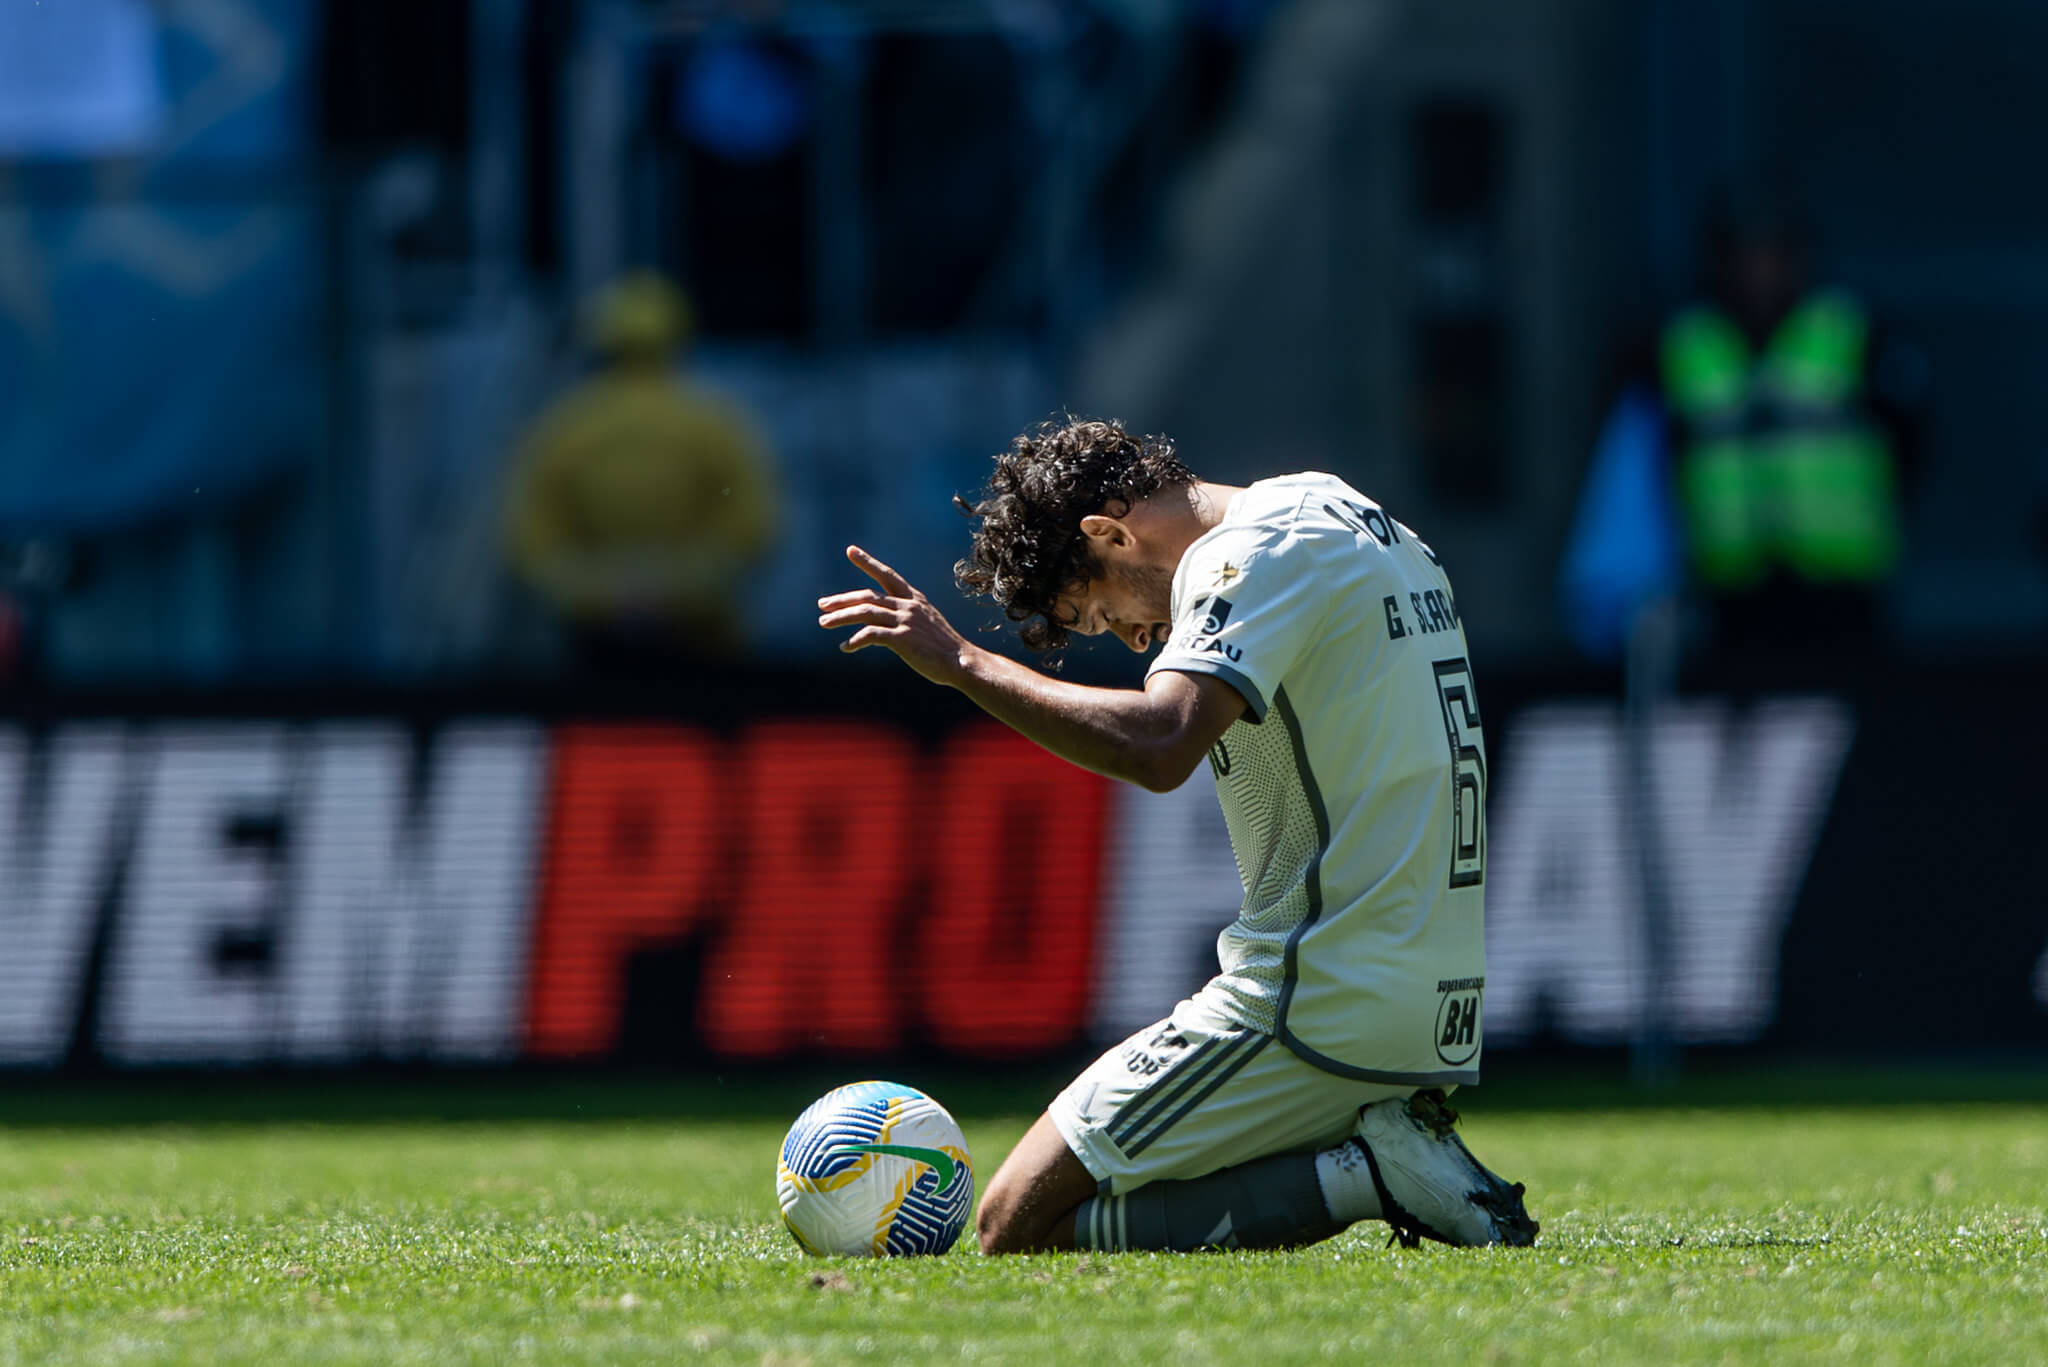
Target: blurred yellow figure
x: 638, y: 503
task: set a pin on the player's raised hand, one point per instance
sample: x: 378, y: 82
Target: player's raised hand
x: 895, y: 615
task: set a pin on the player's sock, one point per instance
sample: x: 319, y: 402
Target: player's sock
x: 1347, y: 1184
x: 1272, y: 1202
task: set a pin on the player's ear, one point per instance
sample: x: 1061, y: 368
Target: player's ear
x: 1108, y: 529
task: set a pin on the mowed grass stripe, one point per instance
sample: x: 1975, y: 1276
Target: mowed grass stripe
x: 1910, y: 1234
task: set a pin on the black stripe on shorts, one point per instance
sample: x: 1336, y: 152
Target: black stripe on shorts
x: 1168, y: 1077
x: 1142, y: 1110
x: 1222, y: 1075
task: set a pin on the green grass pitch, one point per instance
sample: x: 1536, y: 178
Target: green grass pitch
x: 1739, y: 1219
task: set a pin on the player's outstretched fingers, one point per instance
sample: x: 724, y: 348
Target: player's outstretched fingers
x: 833, y: 602
x: 866, y: 636
x: 870, y: 611
x: 880, y: 573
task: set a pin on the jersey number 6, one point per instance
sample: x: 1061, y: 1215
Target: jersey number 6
x: 1468, y: 771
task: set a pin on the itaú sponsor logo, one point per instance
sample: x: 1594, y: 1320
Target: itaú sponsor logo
x: 1735, y: 801
x: 270, y: 893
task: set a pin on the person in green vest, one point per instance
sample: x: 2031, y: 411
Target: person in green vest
x: 1789, y: 430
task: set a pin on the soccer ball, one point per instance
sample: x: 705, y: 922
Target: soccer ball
x: 875, y: 1168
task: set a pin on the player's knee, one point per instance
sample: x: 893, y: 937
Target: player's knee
x: 1031, y: 1193
x: 992, y: 1229
x: 999, y: 1224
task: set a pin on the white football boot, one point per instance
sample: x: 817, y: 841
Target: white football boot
x: 1430, y: 1185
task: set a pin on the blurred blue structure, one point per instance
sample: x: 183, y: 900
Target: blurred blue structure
x: 1623, y: 552
x: 163, y: 319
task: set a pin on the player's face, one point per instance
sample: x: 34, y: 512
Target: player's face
x: 1132, y: 601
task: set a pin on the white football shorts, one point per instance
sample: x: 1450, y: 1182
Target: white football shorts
x: 1197, y: 1092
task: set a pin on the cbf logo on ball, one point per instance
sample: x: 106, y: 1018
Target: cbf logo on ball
x: 876, y: 1169
x: 1457, y: 1019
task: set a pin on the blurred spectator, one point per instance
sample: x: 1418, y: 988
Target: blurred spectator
x: 1763, y: 442
x: 742, y: 99
x: 740, y: 130
x: 2041, y: 508
x: 638, y: 503
x: 2040, y: 530
x: 34, y: 574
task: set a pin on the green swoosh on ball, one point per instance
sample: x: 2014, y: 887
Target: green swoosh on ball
x: 938, y: 1159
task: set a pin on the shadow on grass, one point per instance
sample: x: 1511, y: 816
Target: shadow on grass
x: 389, y: 1096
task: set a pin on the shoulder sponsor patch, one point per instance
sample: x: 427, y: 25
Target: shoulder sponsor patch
x: 1206, y: 622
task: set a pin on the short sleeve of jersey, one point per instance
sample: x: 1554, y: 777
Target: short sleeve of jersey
x: 1248, y: 607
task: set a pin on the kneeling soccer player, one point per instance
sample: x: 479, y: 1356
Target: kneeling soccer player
x: 1312, y: 651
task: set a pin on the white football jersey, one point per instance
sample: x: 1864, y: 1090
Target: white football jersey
x: 1354, y: 785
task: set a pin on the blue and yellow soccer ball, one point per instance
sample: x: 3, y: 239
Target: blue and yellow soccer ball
x: 878, y: 1169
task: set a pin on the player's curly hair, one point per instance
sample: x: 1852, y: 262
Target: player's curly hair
x: 1029, y: 548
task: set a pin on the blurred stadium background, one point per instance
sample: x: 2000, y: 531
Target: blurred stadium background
x: 317, y: 748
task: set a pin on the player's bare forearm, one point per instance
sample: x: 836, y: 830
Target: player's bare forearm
x: 1152, y: 737
x: 1149, y: 737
